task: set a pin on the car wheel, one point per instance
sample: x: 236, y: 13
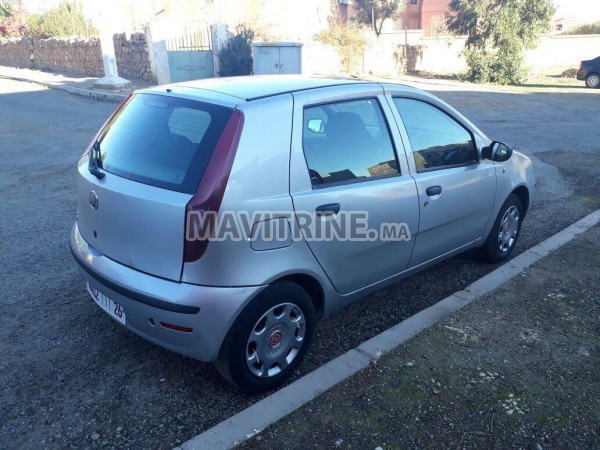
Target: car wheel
x: 505, y: 232
x: 269, y: 339
x: 593, y: 81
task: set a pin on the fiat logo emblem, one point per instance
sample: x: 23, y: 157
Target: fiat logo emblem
x: 275, y: 339
x: 93, y: 200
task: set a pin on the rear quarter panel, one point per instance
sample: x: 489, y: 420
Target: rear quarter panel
x: 259, y: 182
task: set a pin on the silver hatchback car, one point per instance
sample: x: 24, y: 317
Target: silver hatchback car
x: 220, y: 218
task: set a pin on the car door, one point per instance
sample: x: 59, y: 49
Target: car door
x: 456, y: 188
x: 344, y: 163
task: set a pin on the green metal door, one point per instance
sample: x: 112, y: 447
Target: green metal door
x: 190, y: 55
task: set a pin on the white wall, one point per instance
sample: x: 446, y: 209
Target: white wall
x: 443, y: 54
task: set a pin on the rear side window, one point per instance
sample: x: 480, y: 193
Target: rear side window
x: 346, y: 142
x: 437, y: 140
x: 163, y: 141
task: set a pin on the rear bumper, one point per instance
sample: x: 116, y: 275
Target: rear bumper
x: 582, y: 74
x: 208, y: 311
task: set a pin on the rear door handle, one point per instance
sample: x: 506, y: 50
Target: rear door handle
x: 432, y: 191
x: 331, y: 209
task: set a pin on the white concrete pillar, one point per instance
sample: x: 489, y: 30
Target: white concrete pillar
x: 219, y: 37
x: 159, y: 61
x: 111, y: 79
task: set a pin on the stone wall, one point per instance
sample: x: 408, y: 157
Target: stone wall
x: 133, y: 59
x: 80, y: 55
x: 15, y: 53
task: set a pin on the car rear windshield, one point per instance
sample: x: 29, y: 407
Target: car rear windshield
x: 163, y: 141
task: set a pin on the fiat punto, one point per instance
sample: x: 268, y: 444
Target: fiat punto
x: 221, y: 218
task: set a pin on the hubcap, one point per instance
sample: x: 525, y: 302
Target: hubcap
x: 275, y: 340
x: 594, y: 81
x: 509, y: 227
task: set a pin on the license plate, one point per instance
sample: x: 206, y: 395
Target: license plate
x: 112, y: 308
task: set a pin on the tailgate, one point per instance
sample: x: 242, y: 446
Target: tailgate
x: 135, y: 224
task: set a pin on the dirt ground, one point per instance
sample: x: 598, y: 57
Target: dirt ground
x: 515, y: 369
x: 70, y: 377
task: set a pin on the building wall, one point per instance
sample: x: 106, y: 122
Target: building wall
x: 443, y: 55
x: 285, y: 20
x: 433, y: 14
x: 410, y: 18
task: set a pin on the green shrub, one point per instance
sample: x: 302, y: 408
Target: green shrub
x: 236, y: 57
x: 349, y: 43
x: 502, y: 67
x: 498, y: 32
x: 588, y: 28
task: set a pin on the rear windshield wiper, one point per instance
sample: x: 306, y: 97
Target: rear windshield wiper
x: 95, y: 161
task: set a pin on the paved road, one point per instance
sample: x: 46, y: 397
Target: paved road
x: 68, y: 372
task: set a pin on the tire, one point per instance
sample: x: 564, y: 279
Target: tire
x: 269, y: 339
x: 593, y: 80
x: 499, y: 246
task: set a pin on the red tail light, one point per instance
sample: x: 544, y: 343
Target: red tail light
x: 211, y: 189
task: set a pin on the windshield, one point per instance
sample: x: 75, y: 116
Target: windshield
x: 162, y: 141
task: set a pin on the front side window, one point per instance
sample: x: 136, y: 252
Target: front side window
x: 347, y: 141
x: 437, y: 140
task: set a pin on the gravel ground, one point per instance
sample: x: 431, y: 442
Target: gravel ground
x: 72, y: 378
x: 517, y: 368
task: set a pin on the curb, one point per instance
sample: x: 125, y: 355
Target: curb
x: 255, y: 418
x: 96, y: 95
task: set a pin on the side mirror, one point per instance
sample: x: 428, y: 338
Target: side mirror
x: 497, y: 151
x: 316, y: 125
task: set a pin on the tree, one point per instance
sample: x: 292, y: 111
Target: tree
x: 12, y: 18
x: 498, y: 32
x: 236, y: 57
x: 375, y: 12
x: 8, y: 8
x: 66, y: 19
x: 587, y: 28
x: 349, y: 43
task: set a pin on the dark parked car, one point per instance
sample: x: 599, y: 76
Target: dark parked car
x: 590, y: 72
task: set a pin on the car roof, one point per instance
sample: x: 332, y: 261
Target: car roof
x: 260, y: 86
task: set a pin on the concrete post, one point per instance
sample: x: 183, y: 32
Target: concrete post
x: 111, y: 79
x: 159, y: 61
x: 220, y: 35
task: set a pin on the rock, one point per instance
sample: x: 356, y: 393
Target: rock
x: 569, y: 73
x: 339, y: 442
x: 95, y: 436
